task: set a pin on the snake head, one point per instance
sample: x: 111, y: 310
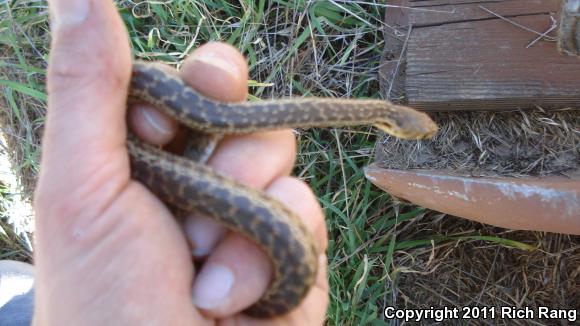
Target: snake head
x: 407, y: 123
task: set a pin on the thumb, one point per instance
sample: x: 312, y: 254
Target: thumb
x: 83, y: 145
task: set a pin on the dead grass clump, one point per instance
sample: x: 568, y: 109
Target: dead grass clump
x: 518, y: 143
x: 476, y: 273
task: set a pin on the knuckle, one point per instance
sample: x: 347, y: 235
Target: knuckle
x: 68, y: 73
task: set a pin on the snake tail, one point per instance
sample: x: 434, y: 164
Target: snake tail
x: 190, y: 186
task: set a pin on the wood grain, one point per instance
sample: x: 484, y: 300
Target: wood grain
x: 459, y: 56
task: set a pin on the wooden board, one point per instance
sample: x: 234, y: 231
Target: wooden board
x: 459, y: 55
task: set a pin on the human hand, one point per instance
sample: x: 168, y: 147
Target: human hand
x: 107, y: 250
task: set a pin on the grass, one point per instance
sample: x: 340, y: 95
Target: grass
x: 381, y: 252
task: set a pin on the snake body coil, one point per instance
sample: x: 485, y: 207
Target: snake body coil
x: 187, y: 184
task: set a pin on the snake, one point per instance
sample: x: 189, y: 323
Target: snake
x: 187, y: 183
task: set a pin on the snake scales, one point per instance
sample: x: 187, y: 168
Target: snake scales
x: 187, y: 184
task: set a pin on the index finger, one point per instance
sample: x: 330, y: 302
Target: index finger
x: 220, y: 72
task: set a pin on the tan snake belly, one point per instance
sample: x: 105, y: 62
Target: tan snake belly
x: 187, y: 184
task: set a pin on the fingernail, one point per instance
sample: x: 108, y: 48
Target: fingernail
x: 203, y: 235
x: 218, y: 61
x: 158, y: 123
x: 212, y: 286
x: 66, y: 13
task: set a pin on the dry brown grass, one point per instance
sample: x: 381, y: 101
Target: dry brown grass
x: 520, y: 143
x: 474, y: 273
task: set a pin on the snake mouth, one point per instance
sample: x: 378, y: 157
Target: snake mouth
x: 384, y: 126
x: 403, y: 133
x: 394, y: 130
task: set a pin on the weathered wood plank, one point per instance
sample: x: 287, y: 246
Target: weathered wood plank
x: 391, y: 72
x: 455, y: 64
x: 476, y: 61
x: 444, y: 12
